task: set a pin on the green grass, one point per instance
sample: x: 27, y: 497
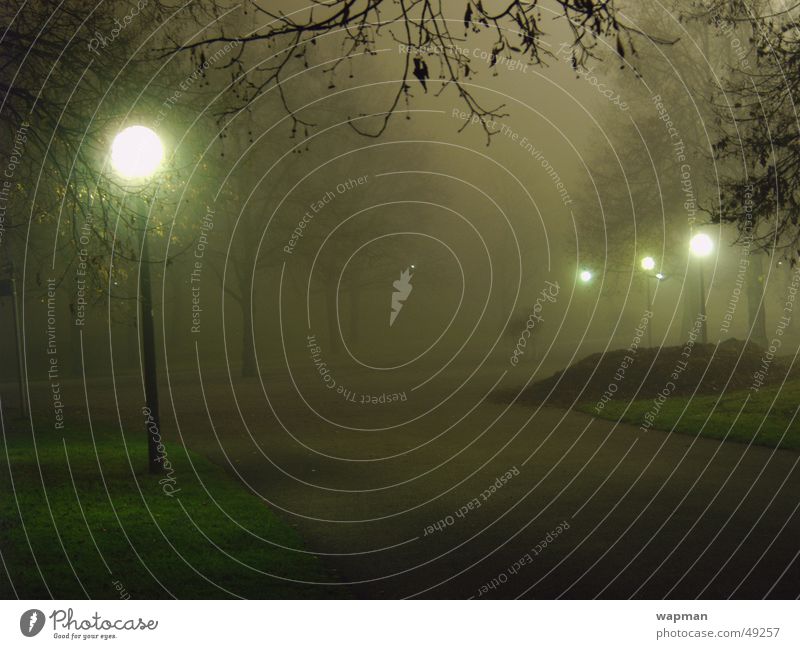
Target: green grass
x: 174, y: 537
x: 759, y: 414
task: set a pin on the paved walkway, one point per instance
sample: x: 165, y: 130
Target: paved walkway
x: 464, y: 498
x: 481, y: 499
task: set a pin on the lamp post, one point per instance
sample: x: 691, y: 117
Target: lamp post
x: 701, y: 246
x: 136, y: 154
x: 648, y: 264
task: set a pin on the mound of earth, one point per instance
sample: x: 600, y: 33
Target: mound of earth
x: 618, y: 374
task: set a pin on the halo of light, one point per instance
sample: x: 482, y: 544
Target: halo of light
x: 648, y: 263
x: 585, y: 275
x: 136, y: 152
x: 701, y: 245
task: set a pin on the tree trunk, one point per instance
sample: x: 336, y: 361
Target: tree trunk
x: 248, y: 347
x: 355, y: 303
x: 755, y: 303
x: 334, y: 342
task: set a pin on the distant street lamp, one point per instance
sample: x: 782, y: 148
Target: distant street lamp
x: 136, y: 154
x: 585, y: 276
x: 701, y: 246
x: 648, y: 263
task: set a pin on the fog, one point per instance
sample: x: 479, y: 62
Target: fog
x: 374, y: 277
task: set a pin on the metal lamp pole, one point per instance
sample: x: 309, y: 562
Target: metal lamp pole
x: 136, y: 154
x: 648, y: 264
x: 701, y: 246
x: 703, y: 327
x: 148, y: 343
x: 649, y: 310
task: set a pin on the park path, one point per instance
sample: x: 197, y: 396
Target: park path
x: 648, y: 514
x: 417, y: 509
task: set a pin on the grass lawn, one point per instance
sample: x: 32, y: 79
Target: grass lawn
x: 759, y: 414
x: 77, y: 520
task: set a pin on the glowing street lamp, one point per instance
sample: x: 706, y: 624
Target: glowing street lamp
x: 585, y: 276
x: 136, y: 154
x: 648, y: 263
x: 701, y: 245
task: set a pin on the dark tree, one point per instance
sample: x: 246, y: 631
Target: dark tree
x: 71, y: 75
x: 758, y: 146
x: 432, y: 35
